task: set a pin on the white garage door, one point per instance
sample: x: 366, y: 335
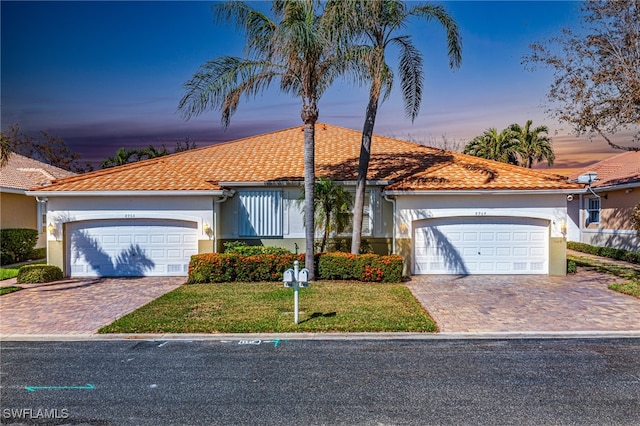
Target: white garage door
x: 132, y: 247
x: 481, y: 245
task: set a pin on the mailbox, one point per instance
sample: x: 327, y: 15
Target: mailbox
x: 303, y: 278
x: 289, y: 278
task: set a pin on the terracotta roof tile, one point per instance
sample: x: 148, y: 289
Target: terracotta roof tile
x: 278, y: 156
x: 617, y: 170
x: 23, y: 173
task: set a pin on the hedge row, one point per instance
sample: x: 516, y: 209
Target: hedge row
x: 233, y: 267
x: 612, y: 253
x: 230, y: 267
x: 30, y: 274
x: 363, y: 267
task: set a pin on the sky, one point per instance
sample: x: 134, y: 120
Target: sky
x: 105, y: 75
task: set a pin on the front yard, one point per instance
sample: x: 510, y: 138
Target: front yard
x: 630, y: 287
x: 268, y: 308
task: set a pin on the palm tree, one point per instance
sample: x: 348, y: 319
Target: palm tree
x: 297, y: 49
x: 123, y: 156
x: 377, y: 23
x: 534, y: 147
x: 333, y: 205
x: 151, y: 152
x: 503, y: 146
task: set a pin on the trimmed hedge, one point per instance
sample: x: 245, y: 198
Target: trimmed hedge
x: 612, y: 253
x: 363, y: 267
x: 233, y: 267
x: 30, y: 274
x: 243, y: 249
x: 16, y: 245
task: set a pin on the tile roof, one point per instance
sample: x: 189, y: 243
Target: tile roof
x: 620, y: 169
x: 23, y: 173
x: 278, y: 157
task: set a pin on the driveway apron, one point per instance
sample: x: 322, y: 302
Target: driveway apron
x: 77, y: 306
x: 527, y: 303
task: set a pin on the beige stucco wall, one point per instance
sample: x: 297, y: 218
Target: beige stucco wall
x: 616, y: 209
x: 18, y: 211
x: 557, y: 256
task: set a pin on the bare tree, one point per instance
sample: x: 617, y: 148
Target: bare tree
x: 596, y: 83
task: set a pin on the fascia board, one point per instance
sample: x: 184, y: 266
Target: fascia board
x: 485, y: 192
x: 218, y: 193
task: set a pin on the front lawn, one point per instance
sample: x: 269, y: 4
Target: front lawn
x: 630, y: 287
x: 268, y: 308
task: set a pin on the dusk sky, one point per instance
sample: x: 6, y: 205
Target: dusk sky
x: 104, y: 75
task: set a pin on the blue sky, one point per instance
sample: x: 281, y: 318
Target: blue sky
x: 102, y: 75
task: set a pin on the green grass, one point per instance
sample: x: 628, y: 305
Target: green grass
x: 12, y: 270
x: 8, y: 289
x: 630, y: 287
x: 268, y: 308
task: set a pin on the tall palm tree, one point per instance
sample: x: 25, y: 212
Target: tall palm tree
x: 123, y: 156
x: 377, y: 24
x: 503, y: 146
x: 534, y: 146
x: 294, y: 48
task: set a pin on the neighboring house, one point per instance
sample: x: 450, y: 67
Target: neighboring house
x: 601, y: 214
x: 18, y: 210
x: 444, y: 212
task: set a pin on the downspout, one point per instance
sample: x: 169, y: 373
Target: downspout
x: 393, y: 232
x: 216, y: 202
x: 581, y: 217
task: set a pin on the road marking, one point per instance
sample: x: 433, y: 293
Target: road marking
x: 258, y: 342
x: 35, y: 388
x: 162, y: 344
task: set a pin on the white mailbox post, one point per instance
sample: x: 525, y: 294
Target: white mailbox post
x: 295, y: 278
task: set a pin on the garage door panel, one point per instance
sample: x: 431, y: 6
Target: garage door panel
x: 131, y: 247
x: 488, y: 246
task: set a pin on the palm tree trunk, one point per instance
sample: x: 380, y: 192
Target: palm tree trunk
x: 363, y: 166
x: 309, y: 116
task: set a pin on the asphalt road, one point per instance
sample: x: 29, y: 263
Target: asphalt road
x: 310, y: 382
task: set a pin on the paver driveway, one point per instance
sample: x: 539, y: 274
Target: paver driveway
x: 77, y: 306
x: 491, y: 303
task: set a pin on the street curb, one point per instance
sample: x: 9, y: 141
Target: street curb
x: 324, y: 336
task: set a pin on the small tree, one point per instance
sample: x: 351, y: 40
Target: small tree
x: 596, y: 83
x: 46, y: 148
x: 333, y: 204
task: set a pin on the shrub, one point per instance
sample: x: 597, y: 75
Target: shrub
x: 612, y: 253
x: 17, y: 244
x: 243, y: 249
x: 38, y: 253
x: 38, y: 274
x: 572, y: 268
x: 230, y: 267
x: 364, y: 267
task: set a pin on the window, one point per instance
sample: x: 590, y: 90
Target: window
x: 594, y: 210
x: 366, y: 215
x: 42, y: 216
x: 260, y: 214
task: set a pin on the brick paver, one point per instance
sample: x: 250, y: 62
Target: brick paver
x: 77, y: 306
x: 491, y: 303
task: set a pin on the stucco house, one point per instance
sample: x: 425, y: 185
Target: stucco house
x: 444, y: 212
x: 601, y: 214
x: 18, y: 210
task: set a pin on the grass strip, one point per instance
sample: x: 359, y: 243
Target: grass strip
x: 268, y: 308
x: 630, y: 287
